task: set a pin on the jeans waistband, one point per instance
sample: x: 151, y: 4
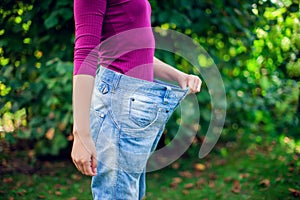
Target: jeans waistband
x: 157, y: 87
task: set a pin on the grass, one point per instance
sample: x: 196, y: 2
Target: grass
x: 234, y: 171
x: 58, y: 180
x: 246, y: 172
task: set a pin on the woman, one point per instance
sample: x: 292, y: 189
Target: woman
x: 119, y: 111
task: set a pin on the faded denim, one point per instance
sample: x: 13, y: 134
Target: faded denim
x: 127, y: 117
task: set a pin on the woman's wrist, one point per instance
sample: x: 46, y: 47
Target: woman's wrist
x: 179, y: 76
x: 82, y: 134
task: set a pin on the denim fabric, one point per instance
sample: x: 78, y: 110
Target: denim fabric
x: 127, y: 116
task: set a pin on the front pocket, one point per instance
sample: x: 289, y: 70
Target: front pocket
x: 142, y: 110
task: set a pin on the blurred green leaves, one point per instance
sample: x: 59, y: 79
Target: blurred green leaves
x: 255, y: 45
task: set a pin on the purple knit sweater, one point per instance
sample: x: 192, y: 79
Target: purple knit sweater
x: 98, y: 21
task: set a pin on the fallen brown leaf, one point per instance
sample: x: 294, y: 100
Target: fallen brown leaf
x: 236, y: 187
x: 265, y: 183
x: 58, y: 193
x: 8, y: 180
x: 245, y: 175
x: 199, y: 167
x: 295, y: 193
x: 76, y: 177
x: 185, y: 192
x: 186, y: 174
x: 278, y: 179
x: 211, y: 184
x: 228, y: 179
x: 200, y: 182
x: 175, y: 182
x: 189, y: 185
x: 21, y: 193
x: 57, y: 186
x: 173, y: 185
x: 220, y: 162
x: 212, y: 176
x: 198, y: 173
x: 175, y: 165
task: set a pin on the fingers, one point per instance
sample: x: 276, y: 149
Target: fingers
x: 94, y: 165
x: 86, y: 167
x: 84, y: 158
x: 183, y: 84
x: 194, y: 83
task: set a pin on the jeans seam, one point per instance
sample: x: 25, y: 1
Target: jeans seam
x: 118, y: 163
x: 144, y: 128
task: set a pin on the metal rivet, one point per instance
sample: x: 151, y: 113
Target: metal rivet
x: 105, y: 89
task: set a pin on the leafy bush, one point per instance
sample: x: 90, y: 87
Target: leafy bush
x: 255, y: 45
x: 36, y: 73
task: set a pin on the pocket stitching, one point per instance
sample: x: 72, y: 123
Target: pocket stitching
x: 131, y: 130
x: 135, y: 120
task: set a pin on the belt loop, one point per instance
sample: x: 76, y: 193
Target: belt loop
x: 98, y: 69
x: 116, y: 81
x: 167, y: 93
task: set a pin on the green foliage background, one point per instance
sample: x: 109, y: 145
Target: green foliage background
x: 255, y: 45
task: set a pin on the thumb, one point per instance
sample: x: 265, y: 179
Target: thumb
x: 183, y: 84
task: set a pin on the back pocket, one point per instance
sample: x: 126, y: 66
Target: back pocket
x: 142, y: 110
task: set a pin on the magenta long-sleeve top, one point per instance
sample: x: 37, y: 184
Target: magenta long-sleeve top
x: 116, y: 34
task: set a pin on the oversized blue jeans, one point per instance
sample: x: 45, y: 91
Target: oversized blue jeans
x: 127, y: 116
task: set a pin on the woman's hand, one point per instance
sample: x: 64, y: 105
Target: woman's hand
x: 191, y: 81
x: 84, y: 155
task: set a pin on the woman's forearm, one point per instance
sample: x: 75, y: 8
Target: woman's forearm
x: 165, y: 71
x: 169, y: 73
x: 82, y: 95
